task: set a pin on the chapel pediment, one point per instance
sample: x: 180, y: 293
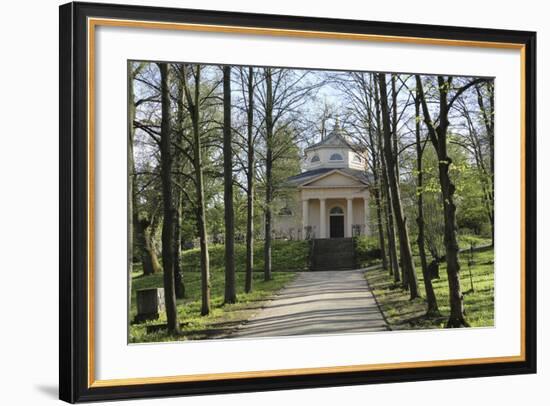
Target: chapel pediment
x: 335, y: 179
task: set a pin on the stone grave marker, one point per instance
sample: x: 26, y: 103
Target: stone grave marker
x: 150, y: 302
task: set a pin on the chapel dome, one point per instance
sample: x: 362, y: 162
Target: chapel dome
x: 334, y: 151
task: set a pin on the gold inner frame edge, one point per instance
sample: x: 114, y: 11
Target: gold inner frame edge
x: 94, y: 22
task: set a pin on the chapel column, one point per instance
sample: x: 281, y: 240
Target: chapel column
x: 323, y: 218
x: 305, y: 217
x: 349, y: 217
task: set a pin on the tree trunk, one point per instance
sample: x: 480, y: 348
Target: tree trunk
x: 229, y: 215
x: 377, y: 192
x: 395, y: 155
x: 268, y: 174
x: 438, y: 137
x: 149, y: 259
x: 137, y: 237
x: 401, y: 222
x: 394, y: 263
x: 394, y: 124
x: 193, y: 106
x: 178, y: 273
x: 131, y: 182
x: 489, y: 121
x: 390, y: 230
x: 168, y: 205
x: 430, y: 295
x: 200, y: 203
x: 251, y: 175
x: 379, y: 221
x: 456, y: 318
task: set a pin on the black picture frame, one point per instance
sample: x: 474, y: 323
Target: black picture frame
x: 74, y: 385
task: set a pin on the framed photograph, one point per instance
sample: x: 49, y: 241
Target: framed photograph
x: 257, y: 202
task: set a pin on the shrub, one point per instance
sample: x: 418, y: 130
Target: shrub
x: 367, y: 249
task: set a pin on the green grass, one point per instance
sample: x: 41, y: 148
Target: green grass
x: 465, y: 241
x: 368, y: 253
x: 405, y: 314
x: 287, y: 257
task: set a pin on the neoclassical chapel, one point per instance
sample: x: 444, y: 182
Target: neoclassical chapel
x: 329, y: 199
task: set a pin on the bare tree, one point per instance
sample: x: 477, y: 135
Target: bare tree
x: 246, y: 136
x: 377, y: 191
x: 430, y: 295
x: 479, y: 142
x: 168, y: 204
x: 229, y: 216
x: 193, y: 98
x: 268, y: 172
x: 131, y: 179
x: 179, y: 164
x: 438, y: 131
x: 401, y: 221
x: 251, y: 178
x: 488, y: 112
x: 388, y: 207
x: 284, y: 92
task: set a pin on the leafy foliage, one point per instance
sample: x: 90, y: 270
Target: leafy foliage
x: 367, y: 250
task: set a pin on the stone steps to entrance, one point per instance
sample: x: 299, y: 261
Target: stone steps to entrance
x: 332, y: 254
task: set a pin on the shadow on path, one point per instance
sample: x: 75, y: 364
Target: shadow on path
x: 325, y: 302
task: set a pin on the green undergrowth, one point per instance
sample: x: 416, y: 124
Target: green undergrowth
x: 287, y: 257
x: 404, y: 314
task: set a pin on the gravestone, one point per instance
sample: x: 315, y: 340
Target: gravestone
x: 433, y: 269
x: 150, y: 302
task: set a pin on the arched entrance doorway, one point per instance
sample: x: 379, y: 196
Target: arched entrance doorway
x: 336, y: 215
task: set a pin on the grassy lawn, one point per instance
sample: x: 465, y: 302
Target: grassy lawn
x: 404, y: 314
x: 287, y: 257
x: 465, y: 241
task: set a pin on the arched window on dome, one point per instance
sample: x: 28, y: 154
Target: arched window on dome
x: 336, y: 157
x: 315, y: 158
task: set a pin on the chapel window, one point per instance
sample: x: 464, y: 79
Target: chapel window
x: 336, y: 210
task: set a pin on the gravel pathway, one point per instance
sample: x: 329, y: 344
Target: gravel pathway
x: 326, y: 302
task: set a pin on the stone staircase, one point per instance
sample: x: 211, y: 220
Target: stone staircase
x: 332, y: 254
